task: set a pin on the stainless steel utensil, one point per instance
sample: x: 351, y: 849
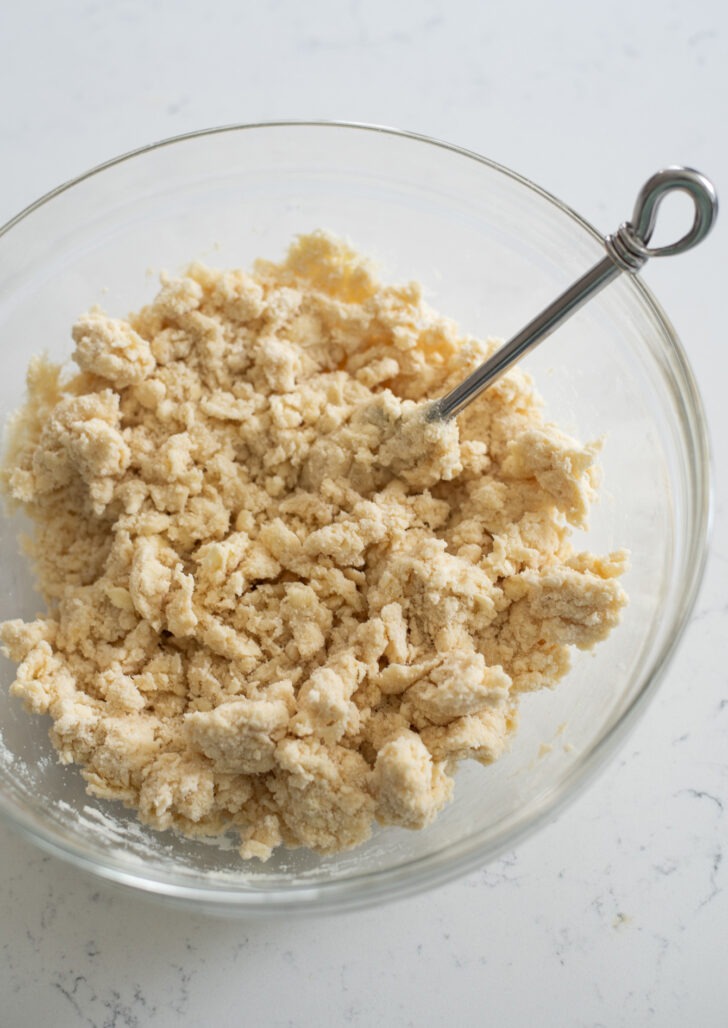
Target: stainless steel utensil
x: 627, y: 250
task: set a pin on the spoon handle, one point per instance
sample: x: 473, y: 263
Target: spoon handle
x: 627, y: 250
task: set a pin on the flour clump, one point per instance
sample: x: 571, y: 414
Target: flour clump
x: 280, y: 602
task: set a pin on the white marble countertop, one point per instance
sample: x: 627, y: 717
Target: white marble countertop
x: 615, y: 914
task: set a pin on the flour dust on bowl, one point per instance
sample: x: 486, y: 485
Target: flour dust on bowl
x: 488, y: 247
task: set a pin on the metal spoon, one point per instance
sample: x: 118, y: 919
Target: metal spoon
x: 627, y: 250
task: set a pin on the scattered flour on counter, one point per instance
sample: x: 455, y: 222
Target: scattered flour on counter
x: 280, y: 602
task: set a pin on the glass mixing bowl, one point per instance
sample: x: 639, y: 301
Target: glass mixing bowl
x: 490, y: 249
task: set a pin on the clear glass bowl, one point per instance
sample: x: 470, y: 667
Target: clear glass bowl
x: 491, y: 249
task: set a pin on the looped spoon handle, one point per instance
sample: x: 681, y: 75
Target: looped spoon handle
x: 627, y: 250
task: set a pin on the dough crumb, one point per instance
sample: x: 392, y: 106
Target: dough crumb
x: 281, y: 602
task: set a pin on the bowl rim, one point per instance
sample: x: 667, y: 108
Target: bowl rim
x: 365, y: 888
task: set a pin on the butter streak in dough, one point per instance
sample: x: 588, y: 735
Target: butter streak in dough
x: 279, y: 602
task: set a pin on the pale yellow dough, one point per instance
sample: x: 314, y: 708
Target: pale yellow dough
x: 279, y: 602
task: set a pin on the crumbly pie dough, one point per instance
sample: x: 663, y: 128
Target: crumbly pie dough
x: 279, y: 601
